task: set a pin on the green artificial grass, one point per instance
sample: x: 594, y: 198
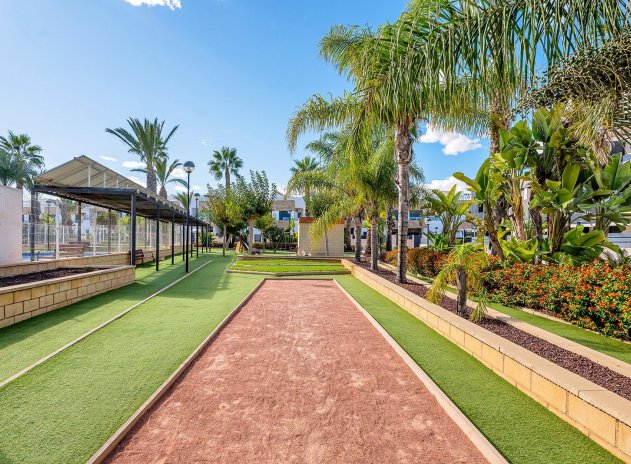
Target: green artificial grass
x: 24, y: 343
x: 65, y: 409
x: 284, y: 262
x: 285, y: 265
x: 520, y: 428
x: 606, y: 345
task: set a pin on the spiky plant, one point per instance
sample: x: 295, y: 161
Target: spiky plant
x: 464, y: 268
x: 224, y: 164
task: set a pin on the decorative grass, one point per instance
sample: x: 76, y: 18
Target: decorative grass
x: 65, y: 409
x: 520, y: 428
x: 24, y: 343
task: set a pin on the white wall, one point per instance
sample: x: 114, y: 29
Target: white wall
x: 10, y: 224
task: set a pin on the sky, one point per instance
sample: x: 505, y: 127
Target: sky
x: 228, y: 72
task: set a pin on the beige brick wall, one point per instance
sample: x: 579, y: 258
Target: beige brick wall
x: 114, y: 259
x: 21, y: 302
x: 600, y: 414
x: 307, y: 246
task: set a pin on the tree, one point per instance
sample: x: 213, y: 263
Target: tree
x: 223, y: 210
x: 185, y: 200
x: 146, y: 141
x: 450, y: 209
x: 464, y: 267
x: 225, y: 163
x: 20, y: 160
x: 300, y: 180
x: 164, y: 173
x: 255, y: 199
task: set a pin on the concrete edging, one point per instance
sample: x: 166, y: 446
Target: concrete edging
x: 477, y: 438
x: 116, y: 438
x: 600, y: 414
x: 99, y: 327
x: 609, y: 362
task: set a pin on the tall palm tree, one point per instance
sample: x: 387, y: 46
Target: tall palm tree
x: 225, y: 163
x: 146, y: 140
x: 381, y: 97
x: 20, y: 159
x: 299, y: 181
x: 185, y: 200
x: 164, y: 174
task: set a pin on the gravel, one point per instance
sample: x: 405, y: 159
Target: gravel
x: 44, y: 275
x: 586, y: 368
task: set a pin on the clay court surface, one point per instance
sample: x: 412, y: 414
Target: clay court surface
x: 299, y: 375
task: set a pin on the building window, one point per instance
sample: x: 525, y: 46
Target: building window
x: 480, y: 208
x: 284, y: 216
x: 415, y: 215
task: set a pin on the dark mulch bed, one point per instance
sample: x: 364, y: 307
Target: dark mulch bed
x: 44, y: 275
x: 590, y: 370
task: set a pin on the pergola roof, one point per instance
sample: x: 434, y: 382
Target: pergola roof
x: 87, y: 181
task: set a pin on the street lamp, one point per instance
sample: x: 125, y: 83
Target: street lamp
x: 48, y: 202
x: 197, y: 222
x: 189, y: 167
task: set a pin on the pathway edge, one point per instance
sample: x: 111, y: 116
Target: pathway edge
x: 118, y: 436
x: 471, y: 431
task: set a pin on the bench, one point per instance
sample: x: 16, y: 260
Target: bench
x: 73, y: 250
x: 142, y: 257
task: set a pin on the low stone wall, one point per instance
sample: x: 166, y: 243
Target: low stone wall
x: 602, y: 415
x: 113, y: 259
x: 20, y: 302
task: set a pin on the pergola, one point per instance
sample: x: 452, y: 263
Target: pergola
x: 86, y: 181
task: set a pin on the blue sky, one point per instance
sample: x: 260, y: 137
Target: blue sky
x: 229, y: 72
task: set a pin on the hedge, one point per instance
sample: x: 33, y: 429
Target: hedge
x: 596, y: 296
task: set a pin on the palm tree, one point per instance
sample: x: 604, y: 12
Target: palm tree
x: 185, y: 200
x: 381, y: 97
x: 20, y: 160
x: 299, y: 181
x: 225, y: 163
x: 147, y: 142
x: 164, y: 173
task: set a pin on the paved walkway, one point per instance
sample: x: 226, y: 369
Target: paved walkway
x: 299, y: 375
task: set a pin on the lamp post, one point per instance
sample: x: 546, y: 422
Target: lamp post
x: 48, y: 202
x: 189, y: 167
x: 197, y: 223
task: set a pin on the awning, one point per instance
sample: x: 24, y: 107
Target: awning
x: 87, y: 181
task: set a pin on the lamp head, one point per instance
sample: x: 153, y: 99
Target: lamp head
x: 197, y: 195
x: 189, y: 167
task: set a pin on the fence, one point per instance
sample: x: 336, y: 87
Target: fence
x: 98, y: 239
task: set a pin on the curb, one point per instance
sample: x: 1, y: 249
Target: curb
x: 477, y: 438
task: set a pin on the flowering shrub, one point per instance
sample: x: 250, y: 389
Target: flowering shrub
x: 425, y: 261
x: 391, y: 257
x: 596, y: 295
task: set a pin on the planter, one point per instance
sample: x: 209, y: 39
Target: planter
x: 20, y: 302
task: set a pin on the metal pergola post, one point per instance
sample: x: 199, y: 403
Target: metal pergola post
x: 197, y: 237
x: 132, y: 222
x: 79, y: 223
x: 173, y: 238
x: 158, y: 237
x: 109, y: 231
x: 31, y: 226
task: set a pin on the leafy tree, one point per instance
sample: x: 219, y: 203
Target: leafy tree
x: 164, y: 173
x: 225, y: 163
x: 145, y: 139
x: 223, y: 210
x: 451, y: 210
x: 255, y: 199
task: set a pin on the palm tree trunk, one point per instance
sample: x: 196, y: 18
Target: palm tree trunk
x: 461, y: 286
x: 152, y: 182
x: 358, y: 239
x: 225, y: 240
x: 163, y: 192
x: 374, y: 248
x: 390, y: 226
x: 227, y: 177
x: 494, y: 242
x: 369, y: 241
x: 403, y: 147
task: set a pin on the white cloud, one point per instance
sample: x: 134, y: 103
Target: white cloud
x: 133, y: 164
x: 444, y: 185
x: 108, y: 158
x: 179, y: 172
x: 138, y: 180
x: 180, y: 188
x: 204, y: 142
x: 172, y: 4
x: 196, y: 188
x: 453, y: 142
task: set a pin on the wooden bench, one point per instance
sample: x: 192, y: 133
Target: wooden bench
x: 71, y: 250
x: 142, y: 257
